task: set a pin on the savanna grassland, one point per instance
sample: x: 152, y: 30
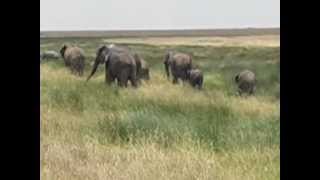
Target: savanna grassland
x: 160, y: 130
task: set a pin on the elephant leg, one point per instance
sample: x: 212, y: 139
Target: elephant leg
x: 80, y: 69
x: 122, y: 83
x: 175, y: 80
x: 71, y: 70
x: 134, y: 78
x: 251, y: 92
x: 109, y: 78
x: 122, y: 80
x: 240, y: 92
x: 194, y: 84
x: 199, y: 87
x: 133, y: 81
x: 74, y: 69
x: 184, y: 78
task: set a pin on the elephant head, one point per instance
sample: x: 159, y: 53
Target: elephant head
x: 101, y: 57
x: 166, y: 62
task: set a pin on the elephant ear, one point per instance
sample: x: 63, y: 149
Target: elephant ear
x: 236, y: 78
x: 101, y: 48
x: 167, y: 56
x: 107, y: 59
x: 63, y: 49
x: 188, y: 73
x: 137, y: 59
x: 190, y: 56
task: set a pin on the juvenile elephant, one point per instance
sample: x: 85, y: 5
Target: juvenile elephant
x: 142, y: 68
x: 246, y: 81
x: 144, y: 71
x: 178, y: 63
x: 73, y: 58
x: 119, y: 65
x: 195, y: 77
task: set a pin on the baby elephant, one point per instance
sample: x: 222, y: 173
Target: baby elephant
x: 195, y: 78
x: 246, y: 81
x: 143, y: 71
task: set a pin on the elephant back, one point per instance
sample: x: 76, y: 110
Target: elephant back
x: 182, y: 59
x: 246, y: 76
x: 74, y: 53
x: 121, y: 59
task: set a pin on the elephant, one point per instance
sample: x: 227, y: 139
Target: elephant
x: 120, y: 48
x: 144, y: 71
x: 119, y: 65
x: 246, y: 81
x: 141, y: 65
x: 49, y: 55
x: 142, y: 68
x: 195, y: 78
x: 178, y: 63
x: 74, y: 58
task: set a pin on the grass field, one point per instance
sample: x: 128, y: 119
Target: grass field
x: 160, y: 130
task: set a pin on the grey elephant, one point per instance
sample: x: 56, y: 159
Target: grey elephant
x: 119, y: 65
x: 144, y: 71
x: 195, y: 78
x: 178, y: 63
x: 142, y: 68
x: 49, y: 55
x: 126, y: 49
x: 141, y: 65
x: 246, y: 82
x: 74, y: 58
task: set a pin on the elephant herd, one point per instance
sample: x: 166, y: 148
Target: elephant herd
x: 124, y: 65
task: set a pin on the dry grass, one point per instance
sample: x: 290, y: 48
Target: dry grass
x: 93, y: 161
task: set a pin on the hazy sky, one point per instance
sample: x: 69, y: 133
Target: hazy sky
x: 157, y: 14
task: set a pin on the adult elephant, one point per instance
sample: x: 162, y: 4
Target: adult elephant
x: 141, y: 65
x: 124, y: 49
x: 179, y: 64
x: 73, y: 58
x: 119, y: 65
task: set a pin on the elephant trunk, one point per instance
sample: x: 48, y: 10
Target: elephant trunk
x: 166, y: 65
x: 138, y: 64
x: 94, y: 68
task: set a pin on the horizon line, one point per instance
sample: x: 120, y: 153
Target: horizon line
x: 165, y: 29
